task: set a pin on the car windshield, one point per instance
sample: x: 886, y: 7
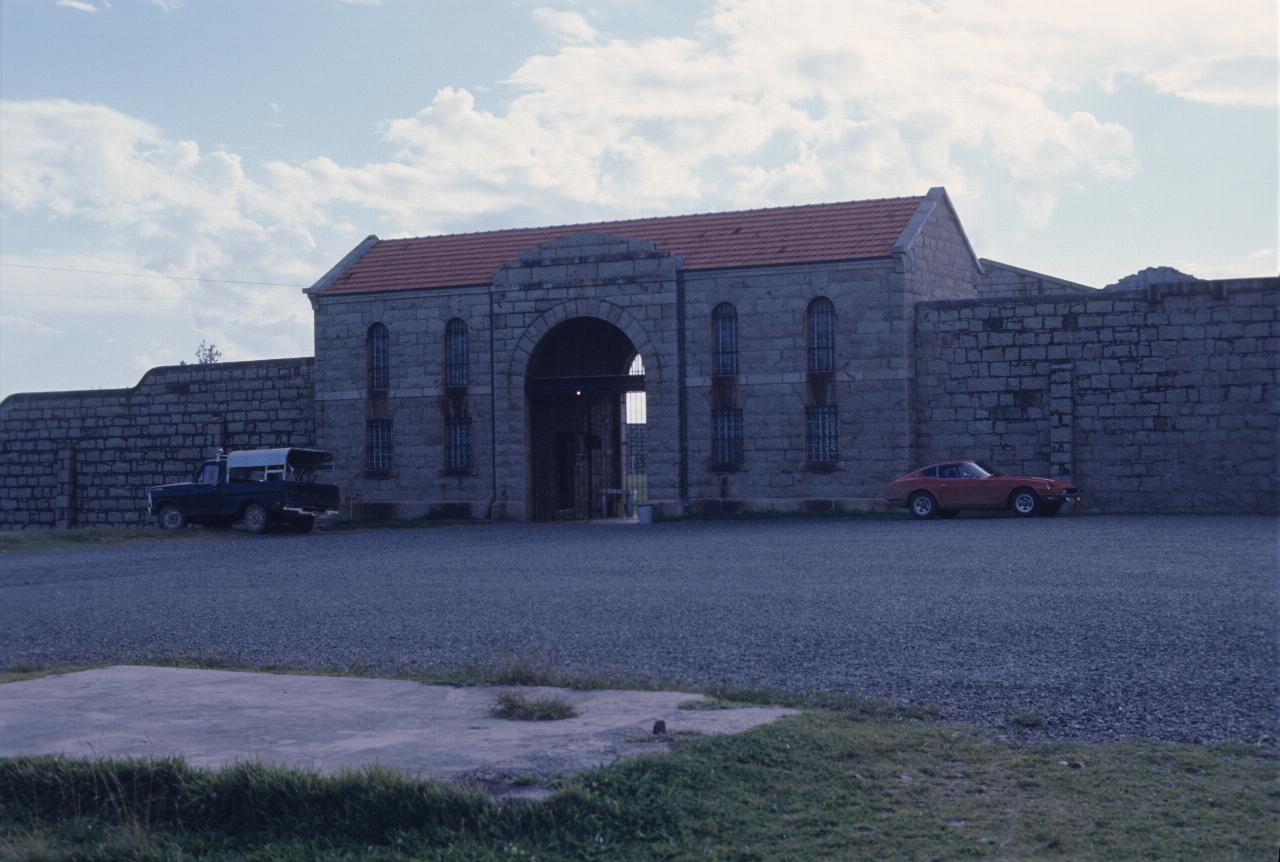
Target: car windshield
x: 982, y: 471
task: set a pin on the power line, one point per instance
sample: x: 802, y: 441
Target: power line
x: 149, y: 275
x: 4, y: 294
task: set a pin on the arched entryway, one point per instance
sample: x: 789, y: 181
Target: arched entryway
x: 583, y: 434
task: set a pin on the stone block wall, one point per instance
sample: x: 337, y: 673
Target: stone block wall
x: 1160, y: 400
x: 87, y: 458
x: 1002, y: 280
x: 419, y: 481
x: 934, y: 255
x: 628, y: 283
x: 869, y: 386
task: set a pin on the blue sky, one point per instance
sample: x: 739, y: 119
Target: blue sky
x: 197, y: 143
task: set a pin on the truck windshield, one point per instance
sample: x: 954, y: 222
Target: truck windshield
x: 208, y: 475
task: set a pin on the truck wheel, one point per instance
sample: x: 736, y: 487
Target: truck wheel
x: 255, y: 519
x: 171, y: 518
x: 303, y: 523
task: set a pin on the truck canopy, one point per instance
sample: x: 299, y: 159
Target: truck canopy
x: 298, y: 465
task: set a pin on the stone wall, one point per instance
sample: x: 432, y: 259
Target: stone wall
x: 419, y: 482
x: 1161, y: 400
x: 1003, y: 280
x: 772, y: 388
x: 87, y: 458
x: 628, y: 283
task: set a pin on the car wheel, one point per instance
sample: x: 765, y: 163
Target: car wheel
x: 947, y: 514
x: 1048, y: 510
x: 171, y: 518
x: 255, y: 518
x: 1024, y: 502
x: 922, y: 505
x: 303, y: 523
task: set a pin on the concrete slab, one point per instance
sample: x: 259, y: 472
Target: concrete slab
x: 214, y: 718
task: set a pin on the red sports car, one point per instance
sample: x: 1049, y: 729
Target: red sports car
x: 942, y: 490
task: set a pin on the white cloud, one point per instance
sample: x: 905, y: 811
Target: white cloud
x: 49, y: 286
x: 167, y: 5
x: 78, y: 5
x: 167, y: 207
x: 782, y: 102
x: 566, y: 26
x: 766, y: 102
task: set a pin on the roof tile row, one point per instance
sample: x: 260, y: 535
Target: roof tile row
x: 812, y: 233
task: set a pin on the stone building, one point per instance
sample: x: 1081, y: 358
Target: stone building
x: 488, y: 373
x: 790, y: 361
x: 794, y: 358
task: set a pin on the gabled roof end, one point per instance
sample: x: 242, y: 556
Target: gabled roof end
x: 340, y: 268
x: 936, y: 197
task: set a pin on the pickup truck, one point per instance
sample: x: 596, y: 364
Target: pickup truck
x: 260, y: 487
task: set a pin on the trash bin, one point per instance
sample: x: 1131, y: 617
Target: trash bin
x: 644, y: 512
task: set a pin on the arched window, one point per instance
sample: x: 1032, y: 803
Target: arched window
x: 724, y: 329
x: 455, y: 353
x: 379, y: 344
x: 822, y: 335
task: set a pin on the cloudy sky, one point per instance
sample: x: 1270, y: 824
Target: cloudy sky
x: 174, y: 171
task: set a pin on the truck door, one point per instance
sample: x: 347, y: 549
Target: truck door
x: 204, y: 493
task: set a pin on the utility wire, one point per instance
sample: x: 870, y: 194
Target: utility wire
x: 122, y: 297
x: 147, y: 275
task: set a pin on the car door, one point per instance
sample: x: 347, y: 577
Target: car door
x: 993, y: 492
x: 972, y: 488
x: 949, y: 486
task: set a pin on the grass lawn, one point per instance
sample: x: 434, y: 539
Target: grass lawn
x: 46, y: 540
x: 827, y: 784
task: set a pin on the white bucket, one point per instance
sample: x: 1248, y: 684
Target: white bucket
x: 644, y: 513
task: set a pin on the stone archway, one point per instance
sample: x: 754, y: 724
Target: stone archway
x: 629, y: 284
x: 576, y: 382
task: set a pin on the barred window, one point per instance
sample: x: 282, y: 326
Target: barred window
x: 458, y: 448
x: 726, y: 425
x: 821, y: 434
x: 455, y: 349
x: 724, y: 325
x: 822, y: 335
x: 377, y: 444
x: 379, y: 357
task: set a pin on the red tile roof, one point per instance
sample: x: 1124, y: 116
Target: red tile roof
x: 799, y: 234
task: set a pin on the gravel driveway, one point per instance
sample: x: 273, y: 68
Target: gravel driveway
x: 1103, y: 626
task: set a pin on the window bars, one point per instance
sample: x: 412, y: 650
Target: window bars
x: 377, y: 443
x: 379, y: 357
x: 822, y: 434
x: 822, y: 335
x: 458, y: 446
x: 726, y: 441
x: 724, y: 326
x: 455, y: 340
